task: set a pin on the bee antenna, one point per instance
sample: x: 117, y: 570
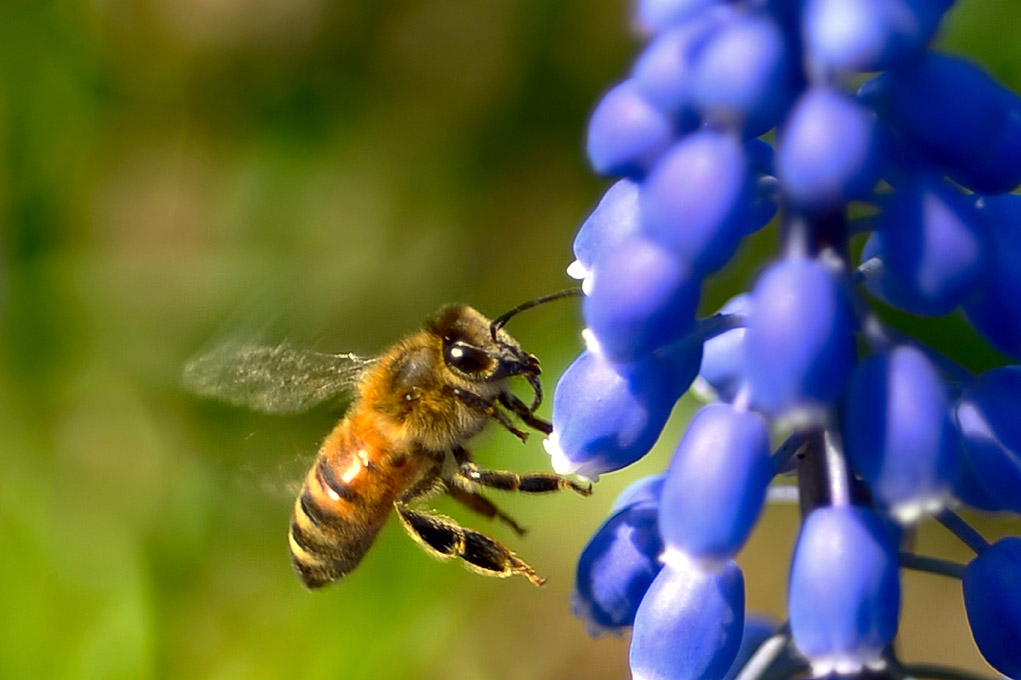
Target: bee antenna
x: 501, y: 321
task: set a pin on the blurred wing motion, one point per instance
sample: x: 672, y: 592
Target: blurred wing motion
x: 278, y: 380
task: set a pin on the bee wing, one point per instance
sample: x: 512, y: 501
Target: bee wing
x: 272, y: 379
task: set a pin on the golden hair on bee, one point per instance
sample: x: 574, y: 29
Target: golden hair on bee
x: 403, y: 438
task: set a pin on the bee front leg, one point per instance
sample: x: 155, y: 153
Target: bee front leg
x: 521, y: 410
x: 488, y: 408
x: 535, y: 482
x: 445, y: 539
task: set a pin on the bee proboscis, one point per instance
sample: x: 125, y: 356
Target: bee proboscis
x: 401, y: 440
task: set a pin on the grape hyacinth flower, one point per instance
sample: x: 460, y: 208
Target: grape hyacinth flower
x: 880, y: 431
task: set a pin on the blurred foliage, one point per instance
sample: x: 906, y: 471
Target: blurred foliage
x: 328, y: 172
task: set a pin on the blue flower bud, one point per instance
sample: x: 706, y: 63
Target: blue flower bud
x: 992, y: 600
x: 626, y: 134
x: 654, y: 16
x: 721, y: 375
x: 987, y: 418
x: 606, y: 416
x: 898, y: 433
x: 935, y: 246
x: 642, y: 298
x: 957, y: 114
x: 844, y: 590
x: 828, y: 151
x: 716, y: 484
x: 868, y: 35
x: 613, y: 221
x: 995, y: 311
x: 662, y: 73
x: 616, y: 569
x: 689, y: 624
x: 743, y: 76
x: 696, y: 200
x: 799, y: 343
x: 645, y: 490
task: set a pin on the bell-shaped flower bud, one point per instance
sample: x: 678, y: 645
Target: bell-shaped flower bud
x: 898, y: 433
x: 689, y: 624
x: 743, y: 76
x: 606, y: 416
x: 868, y: 35
x: 844, y: 599
x: 828, y: 151
x: 696, y: 200
x: 995, y: 311
x: 614, y: 220
x: 799, y: 343
x: 987, y: 417
x: 643, y: 298
x: 992, y: 600
x: 626, y: 134
x: 617, y: 567
x: 935, y: 246
x: 716, y: 484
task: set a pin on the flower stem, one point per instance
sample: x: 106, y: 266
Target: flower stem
x: 964, y: 531
x: 932, y: 565
x: 756, y: 667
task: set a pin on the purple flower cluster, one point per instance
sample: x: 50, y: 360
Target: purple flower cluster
x: 878, y: 430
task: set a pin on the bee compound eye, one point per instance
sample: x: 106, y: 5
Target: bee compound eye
x: 467, y: 358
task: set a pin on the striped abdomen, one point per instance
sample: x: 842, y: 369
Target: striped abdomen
x: 347, y: 496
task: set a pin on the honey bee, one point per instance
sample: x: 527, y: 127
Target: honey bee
x: 402, y: 439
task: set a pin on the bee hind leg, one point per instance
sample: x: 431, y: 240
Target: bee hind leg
x: 463, y: 493
x: 444, y: 538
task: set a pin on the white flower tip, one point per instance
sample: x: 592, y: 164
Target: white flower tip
x: 591, y: 342
x: 912, y: 511
x: 703, y: 390
x: 678, y: 560
x: 576, y: 270
x: 847, y: 663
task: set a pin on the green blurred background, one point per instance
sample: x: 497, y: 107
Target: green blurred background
x: 174, y: 170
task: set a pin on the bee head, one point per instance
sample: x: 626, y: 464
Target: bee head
x: 475, y: 351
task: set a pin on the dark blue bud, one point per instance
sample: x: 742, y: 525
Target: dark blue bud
x: 716, y: 484
x: 844, y: 598
x: 958, y: 115
x: 987, y: 418
x: 992, y: 600
x: 995, y: 311
x: 935, y: 246
x: 627, y: 134
x: 616, y: 569
x: 689, y: 624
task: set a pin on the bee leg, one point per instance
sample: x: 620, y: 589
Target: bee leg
x: 461, y: 491
x: 486, y: 407
x: 535, y: 482
x: 443, y: 538
x: 521, y: 410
